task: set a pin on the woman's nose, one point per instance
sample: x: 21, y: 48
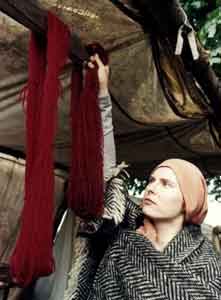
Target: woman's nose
x: 150, y: 188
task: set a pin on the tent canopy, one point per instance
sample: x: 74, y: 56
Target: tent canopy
x: 151, y: 124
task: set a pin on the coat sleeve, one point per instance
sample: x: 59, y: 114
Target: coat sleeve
x: 94, y: 237
x: 118, y: 206
x: 108, y: 131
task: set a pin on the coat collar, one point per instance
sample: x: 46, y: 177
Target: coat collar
x: 184, y: 243
x: 178, y: 249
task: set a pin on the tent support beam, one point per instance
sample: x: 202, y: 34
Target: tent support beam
x: 166, y: 17
x: 30, y: 15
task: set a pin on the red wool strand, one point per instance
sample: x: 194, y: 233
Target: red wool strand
x: 32, y: 256
x: 86, y: 189
x: 86, y: 174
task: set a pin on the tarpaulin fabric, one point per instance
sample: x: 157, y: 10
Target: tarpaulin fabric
x: 147, y: 127
x: 12, y: 173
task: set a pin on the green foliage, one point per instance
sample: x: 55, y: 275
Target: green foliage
x: 136, y: 186
x: 215, y: 187
x: 205, y: 16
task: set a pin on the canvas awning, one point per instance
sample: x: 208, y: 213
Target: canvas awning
x: 148, y: 127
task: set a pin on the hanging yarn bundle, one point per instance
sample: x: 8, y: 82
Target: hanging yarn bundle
x: 85, y: 194
x: 32, y: 256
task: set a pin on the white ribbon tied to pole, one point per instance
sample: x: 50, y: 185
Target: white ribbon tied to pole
x: 193, y: 45
x: 179, y: 43
x: 188, y: 30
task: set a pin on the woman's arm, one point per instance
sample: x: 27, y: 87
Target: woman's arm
x: 108, y: 131
x: 106, y: 115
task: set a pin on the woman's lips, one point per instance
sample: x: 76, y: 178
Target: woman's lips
x: 148, y: 201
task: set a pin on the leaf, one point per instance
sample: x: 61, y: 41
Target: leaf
x: 215, y: 60
x: 211, y: 31
x: 197, y: 4
x: 215, y: 15
x: 216, y: 52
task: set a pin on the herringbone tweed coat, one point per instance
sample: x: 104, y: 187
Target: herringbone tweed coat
x: 132, y: 269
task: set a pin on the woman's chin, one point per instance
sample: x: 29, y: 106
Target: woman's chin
x: 148, y: 211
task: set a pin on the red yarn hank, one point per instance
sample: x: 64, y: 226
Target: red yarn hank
x: 32, y: 256
x: 86, y: 187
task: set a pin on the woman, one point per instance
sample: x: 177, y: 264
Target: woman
x: 152, y: 251
x: 166, y: 257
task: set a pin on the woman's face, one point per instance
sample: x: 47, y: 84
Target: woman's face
x: 163, y: 199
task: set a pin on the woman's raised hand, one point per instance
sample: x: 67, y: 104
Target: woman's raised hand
x: 103, y: 74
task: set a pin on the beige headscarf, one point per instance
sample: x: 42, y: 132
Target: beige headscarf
x: 193, y: 187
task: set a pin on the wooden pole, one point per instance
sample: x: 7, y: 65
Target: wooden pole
x: 29, y: 14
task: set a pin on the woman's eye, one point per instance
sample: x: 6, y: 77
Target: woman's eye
x: 150, y: 180
x: 165, y: 183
